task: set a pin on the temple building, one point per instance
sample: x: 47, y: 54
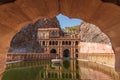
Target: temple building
x: 55, y: 41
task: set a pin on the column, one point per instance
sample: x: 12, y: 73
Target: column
x: 60, y: 49
x: 48, y: 47
x: 71, y: 52
x: 45, y: 46
x: 41, y: 43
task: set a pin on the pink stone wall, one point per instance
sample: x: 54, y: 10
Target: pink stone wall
x: 85, y: 47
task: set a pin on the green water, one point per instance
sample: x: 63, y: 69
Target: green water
x: 41, y: 70
x: 66, y: 70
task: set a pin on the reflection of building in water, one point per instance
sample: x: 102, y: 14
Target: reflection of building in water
x: 63, y: 72
x: 66, y: 70
x: 53, y: 40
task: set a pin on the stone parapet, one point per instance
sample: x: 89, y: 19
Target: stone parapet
x: 88, y: 47
x: 100, y: 58
x: 29, y: 56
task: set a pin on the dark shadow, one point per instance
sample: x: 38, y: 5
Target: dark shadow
x: 53, y: 51
x: 66, y: 53
x: 6, y: 1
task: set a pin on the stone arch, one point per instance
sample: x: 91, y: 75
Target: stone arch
x: 93, y: 11
x: 53, y: 51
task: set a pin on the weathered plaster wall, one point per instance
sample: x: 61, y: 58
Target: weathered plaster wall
x: 87, y: 47
x: 104, y: 59
x: 14, y: 15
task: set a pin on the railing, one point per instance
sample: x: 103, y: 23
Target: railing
x: 29, y: 56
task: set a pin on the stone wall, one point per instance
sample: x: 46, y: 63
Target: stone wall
x: 87, y: 47
x: 29, y: 56
x: 96, y: 52
x: 104, y: 59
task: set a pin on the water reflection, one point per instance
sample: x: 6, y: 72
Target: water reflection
x: 66, y: 70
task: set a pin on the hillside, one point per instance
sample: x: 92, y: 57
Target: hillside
x: 25, y: 41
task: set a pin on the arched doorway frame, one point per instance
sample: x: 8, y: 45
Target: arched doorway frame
x: 66, y: 55
x: 102, y: 7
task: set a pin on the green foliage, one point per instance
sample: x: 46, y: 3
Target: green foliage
x: 73, y: 28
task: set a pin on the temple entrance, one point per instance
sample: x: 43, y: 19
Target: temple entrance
x: 66, y: 53
x: 53, y: 51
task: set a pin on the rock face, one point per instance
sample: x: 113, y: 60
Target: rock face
x: 91, y: 33
x: 25, y: 41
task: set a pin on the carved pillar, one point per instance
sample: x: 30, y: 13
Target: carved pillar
x: 47, y: 45
x: 41, y: 43
x: 74, y: 54
x: 73, y: 49
x: 60, y: 48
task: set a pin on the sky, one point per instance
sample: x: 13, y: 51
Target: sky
x: 68, y: 22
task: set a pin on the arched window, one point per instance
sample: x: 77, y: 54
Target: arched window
x: 49, y: 42
x: 43, y: 42
x: 76, y: 42
x: 56, y: 42
x: 66, y: 53
x: 53, y: 51
x: 69, y: 42
x: 62, y: 42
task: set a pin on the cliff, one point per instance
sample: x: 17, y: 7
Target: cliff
x: 92, y: 33
x: 25, y: 41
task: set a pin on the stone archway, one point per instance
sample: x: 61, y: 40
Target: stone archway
x: 53, y: 51
x: 93, y: 11
x: 66, y: 53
